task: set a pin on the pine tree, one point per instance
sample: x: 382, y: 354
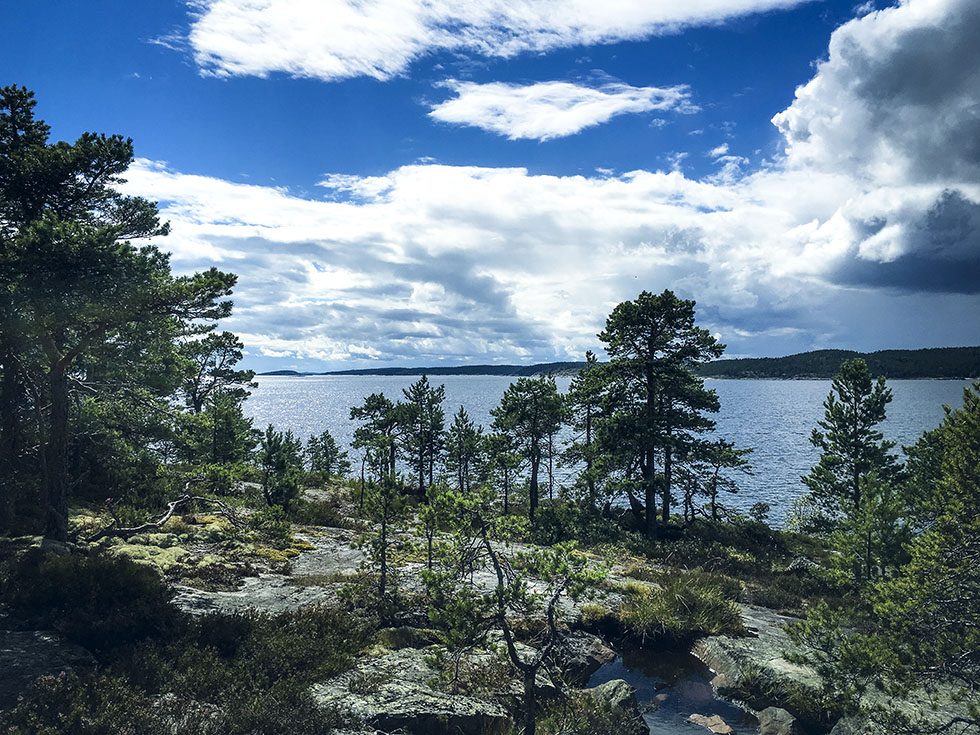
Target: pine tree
x: 281, y: 464
x: 658, y: 402
x: 78, y: 299
x: 464, y: 446
x: 584, y: 404
x: 376, y: 434
x: 853, y: 485
x: 529, y: 411
x: 852, y: 447
x: 422, y: 421
x: 326, y: 458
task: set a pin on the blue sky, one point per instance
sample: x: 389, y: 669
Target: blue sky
x: 406, y: 185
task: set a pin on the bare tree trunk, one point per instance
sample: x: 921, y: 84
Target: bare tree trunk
x: 668, y: 466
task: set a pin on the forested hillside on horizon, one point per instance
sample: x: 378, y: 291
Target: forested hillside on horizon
x: 937, y: 362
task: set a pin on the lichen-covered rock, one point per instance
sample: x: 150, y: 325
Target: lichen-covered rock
x: 401, y: 690
x: 581, y: 656
x: 620, y: 698
x: 741, y: 665
x: 27, y: 655
x: 713, y: 723
x: 756, y: 669
x: 777, y: 721
x: 268, y: 593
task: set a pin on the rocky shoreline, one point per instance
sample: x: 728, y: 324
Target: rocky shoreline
x: 397, y: 685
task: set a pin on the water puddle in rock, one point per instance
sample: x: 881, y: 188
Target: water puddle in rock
x: 671, y: 686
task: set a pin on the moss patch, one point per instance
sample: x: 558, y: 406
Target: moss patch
x: 164, y: 560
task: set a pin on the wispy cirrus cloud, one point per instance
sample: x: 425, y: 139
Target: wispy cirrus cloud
x: 340, y: 39
x: 547, y: 110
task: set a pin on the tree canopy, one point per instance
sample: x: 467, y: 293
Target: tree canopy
x: 84, y: 313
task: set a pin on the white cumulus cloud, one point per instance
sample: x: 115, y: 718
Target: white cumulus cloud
x: 866, y: 233
x: 339, y: 39
x: 895, y: 108
x: 547, y: 110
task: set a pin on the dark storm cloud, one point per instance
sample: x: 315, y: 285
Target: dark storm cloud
x: 942, y: 252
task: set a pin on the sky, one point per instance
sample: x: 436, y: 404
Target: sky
x: 425, y: 182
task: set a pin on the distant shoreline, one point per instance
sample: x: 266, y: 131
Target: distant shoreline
x: 941, y: 363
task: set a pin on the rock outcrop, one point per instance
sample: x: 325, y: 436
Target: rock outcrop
x: 777, y: 721
x: 582, y: 656
x: 401, y: 690
x: 743, y: 664
x: 620, y: 699
x: 712, y: 723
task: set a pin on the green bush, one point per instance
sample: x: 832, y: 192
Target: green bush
x: 109, y: 705
x: 273, y: 526
x: 581, y: 713
x: 774, y: 597
x: 318, y: 513
x: 99, y: 602
x: 564, y: 520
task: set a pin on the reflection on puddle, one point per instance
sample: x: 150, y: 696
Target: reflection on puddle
x: 671, y: 686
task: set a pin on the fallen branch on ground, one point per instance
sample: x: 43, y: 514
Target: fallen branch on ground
x: 116, y: 530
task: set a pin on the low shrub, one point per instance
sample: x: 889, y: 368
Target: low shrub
x: 243, y: 674
x: 581, y: 713
x: 99, y: 602
x: 104, y: 704
x: 774, y: 597
x: 70, y: 705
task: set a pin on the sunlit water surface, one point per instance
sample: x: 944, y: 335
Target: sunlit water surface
x: 773, y: 417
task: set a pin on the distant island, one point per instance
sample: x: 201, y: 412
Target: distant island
x: 939, y: 362
x: 517, y: 371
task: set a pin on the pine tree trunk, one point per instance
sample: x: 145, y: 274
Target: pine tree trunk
x: 551, y: 467
x: 649, y: 464
x: 590, y: 481
x: 530, y: 703
x: 9, y: 433
x: 668, y: 464
x: 650, y: 495
x: 535, y: 464
x: 56, y: 457
x: 383, y: 561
